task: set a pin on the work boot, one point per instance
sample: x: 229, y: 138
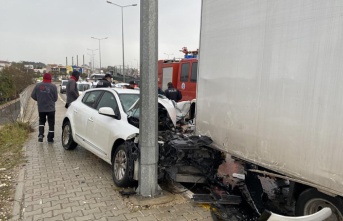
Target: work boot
x: 40, y: 138
x: 50, y: 140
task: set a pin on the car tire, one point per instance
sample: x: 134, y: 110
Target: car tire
x: 311, y: 201
x: 68, y: 142
x: 120, y: 165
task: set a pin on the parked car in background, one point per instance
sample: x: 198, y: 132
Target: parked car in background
x: 83, y: 86
x: 96, y: 77
x: 63, y: 86
x: 121, y: 85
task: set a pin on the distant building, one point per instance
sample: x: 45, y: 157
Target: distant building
x: 4, y: 64
x: 28, y: 66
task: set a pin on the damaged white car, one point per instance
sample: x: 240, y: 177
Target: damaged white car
x: 104, y: 121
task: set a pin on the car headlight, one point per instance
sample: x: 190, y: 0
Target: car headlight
x: 136, y: 136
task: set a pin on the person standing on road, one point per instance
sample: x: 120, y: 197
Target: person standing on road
x: 71, y: 88
x: 105, y: 82
x: 45, y: 93
x: 173, y: 93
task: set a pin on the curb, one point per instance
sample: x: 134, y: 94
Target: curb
x: 19, y: 193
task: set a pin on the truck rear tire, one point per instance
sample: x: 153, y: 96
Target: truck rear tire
x: 311, y: 201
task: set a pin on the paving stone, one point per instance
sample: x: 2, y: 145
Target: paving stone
x: 103, y: 214
x: 194, y: 216
x: 32, y: 213
x: 81, y: 207
x: 117, y: 218
x: 97, y: 205
x: 62, y: 211
x: 133, y: 215
x: 87, y: 217
x: 70, y: 204
x: 78, y: 198
x: 146, y: 218
x: 73, y: 214
x: 56, y: 207
x: 55, y: 218
x: 165, y: 215
x: 91, y: 211
x: 42, y: 216
x: 68, y: 195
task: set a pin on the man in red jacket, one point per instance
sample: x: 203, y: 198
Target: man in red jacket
x: 45, y: 93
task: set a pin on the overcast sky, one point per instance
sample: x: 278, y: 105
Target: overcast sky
x: 48, y: 31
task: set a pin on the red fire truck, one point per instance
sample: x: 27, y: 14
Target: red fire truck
x: 182, y: 73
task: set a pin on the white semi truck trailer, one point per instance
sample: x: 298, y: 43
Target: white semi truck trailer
x: 270, y: 92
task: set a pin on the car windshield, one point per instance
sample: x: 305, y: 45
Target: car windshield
x: 83, y: 87
x: 64, y: 83
x: 127, y: 100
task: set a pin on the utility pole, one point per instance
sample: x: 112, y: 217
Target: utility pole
x: 148, y: 132
x: 66, y: 61
x: 77, y: 60
x: 99, y: 39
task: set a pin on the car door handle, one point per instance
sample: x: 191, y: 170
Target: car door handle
x: 90, y: 119
x: 75, y: 111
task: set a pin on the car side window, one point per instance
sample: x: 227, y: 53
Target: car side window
x: 108, y: 100
x: 91, y: 97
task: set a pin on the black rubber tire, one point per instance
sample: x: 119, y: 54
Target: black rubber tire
x: 68, y: 142
x: 120, y: 156
x: 314, y: 195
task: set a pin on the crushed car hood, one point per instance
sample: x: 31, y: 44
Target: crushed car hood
x: 166, y: 103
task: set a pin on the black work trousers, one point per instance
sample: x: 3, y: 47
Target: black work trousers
x: 51, y: 121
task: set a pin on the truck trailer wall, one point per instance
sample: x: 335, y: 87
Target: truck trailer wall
x: 270, y: 85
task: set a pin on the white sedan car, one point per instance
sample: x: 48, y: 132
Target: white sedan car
x: 105, y: 121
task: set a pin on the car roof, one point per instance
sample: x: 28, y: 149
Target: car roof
x: 118, y: 90
x: 125, y: 91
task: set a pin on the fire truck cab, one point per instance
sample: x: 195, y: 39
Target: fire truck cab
x: 182, y: 73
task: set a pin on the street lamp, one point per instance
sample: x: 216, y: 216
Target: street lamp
x: 99, y: 39
x: 122, y: 30
x: 92, y: 50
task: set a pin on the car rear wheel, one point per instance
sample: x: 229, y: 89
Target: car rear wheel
x: 311, y: 201
x: 68, y: 142
x: 120, y: 167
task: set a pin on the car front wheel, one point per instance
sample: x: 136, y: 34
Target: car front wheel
x: 120, y: 167
x: 68, y: 142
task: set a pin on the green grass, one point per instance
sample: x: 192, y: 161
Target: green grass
x: 12, y: 138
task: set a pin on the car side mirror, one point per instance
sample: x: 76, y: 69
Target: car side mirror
x: 107, y: 111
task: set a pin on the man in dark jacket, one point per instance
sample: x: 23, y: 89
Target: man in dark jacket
x: 72, y: 92
x: 45, y: 93
x: 173, y: 93
x: 105, y: 82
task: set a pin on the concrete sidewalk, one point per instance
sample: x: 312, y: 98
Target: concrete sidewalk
x: 57, y: 184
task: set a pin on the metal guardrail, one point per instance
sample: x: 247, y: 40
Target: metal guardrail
x: 15, y: 109
x: 24, y: 98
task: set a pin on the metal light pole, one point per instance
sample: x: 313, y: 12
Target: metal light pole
x: 92, y: 50
x: 122, y: 30
x: 99, y: 39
